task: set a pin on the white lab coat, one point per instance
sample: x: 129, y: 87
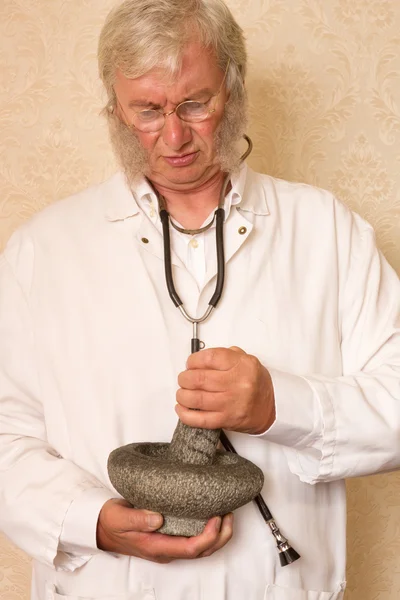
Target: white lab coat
x: 90, y: 349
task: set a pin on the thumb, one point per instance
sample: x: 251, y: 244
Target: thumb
x: 144, y: 520
x: 123, y: 517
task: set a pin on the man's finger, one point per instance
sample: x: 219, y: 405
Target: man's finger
x: 127, y: 519
x: 208, y: 380
x: 200, y: 419
x: 220, y: 359
x: 207, y: 539
x: 200, y: 400
x: 165, y: 547
x: 224, y: 536
x: 237, y: 349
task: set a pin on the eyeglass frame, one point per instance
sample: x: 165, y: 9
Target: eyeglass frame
x: 165, y: 115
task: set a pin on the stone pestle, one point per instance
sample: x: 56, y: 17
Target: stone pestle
x: 191, y: 445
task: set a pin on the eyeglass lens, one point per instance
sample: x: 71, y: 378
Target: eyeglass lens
x: 152, y: 120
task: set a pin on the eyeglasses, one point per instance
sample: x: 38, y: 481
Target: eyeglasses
x: 191, y: 111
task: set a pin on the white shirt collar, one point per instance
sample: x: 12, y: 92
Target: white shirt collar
x: 125, y: 202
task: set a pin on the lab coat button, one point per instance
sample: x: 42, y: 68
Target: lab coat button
x: 145, y: 240
x: 243, y: 230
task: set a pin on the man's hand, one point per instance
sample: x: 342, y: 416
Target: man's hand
x: 229, y: 388
x: 126, y: 530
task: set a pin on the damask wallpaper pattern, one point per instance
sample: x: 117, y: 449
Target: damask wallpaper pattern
x: 324, y: 87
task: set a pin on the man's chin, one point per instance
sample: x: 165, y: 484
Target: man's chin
x: 188, y: 177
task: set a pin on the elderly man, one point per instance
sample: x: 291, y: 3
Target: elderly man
x: 302, y: 356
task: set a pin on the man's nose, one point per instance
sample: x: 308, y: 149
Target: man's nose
x: 176, y: 133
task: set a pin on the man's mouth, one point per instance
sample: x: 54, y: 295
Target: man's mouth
x: 181, y: 161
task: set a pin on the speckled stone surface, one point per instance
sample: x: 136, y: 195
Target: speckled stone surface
x: 187, y: 481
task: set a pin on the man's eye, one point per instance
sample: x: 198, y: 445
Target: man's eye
x: 193, y: 108
x: 148, y: 115
x: 196, y: 105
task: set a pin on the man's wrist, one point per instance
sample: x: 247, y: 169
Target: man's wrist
x: 267, y: 414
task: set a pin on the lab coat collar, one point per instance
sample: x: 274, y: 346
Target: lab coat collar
x: 122, y: 201
x: 253, y: 195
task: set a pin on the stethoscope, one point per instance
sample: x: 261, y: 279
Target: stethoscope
x: 287, y: 554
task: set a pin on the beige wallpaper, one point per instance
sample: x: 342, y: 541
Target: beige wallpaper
x: 324, y: 84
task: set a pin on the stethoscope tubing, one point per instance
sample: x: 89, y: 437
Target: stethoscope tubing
x: 287, y: 554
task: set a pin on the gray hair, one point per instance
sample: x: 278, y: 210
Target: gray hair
x: 139, y: 35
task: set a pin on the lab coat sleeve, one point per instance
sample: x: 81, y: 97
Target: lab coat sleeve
x: 348, y: 426
x: 78, y: 535
x: 37, y: 486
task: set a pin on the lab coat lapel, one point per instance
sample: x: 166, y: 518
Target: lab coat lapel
x: 236, y: 231
x: 151, y: 240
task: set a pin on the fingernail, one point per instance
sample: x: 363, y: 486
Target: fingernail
x: 217, y: 524
x: 154, y: 520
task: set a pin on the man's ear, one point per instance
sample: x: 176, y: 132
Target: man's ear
x: 116, y: 110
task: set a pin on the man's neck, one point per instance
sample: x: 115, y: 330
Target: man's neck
x: 191, y: 208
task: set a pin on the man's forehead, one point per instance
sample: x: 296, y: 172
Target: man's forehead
x: 159, y: 84
x: 199, y: 71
